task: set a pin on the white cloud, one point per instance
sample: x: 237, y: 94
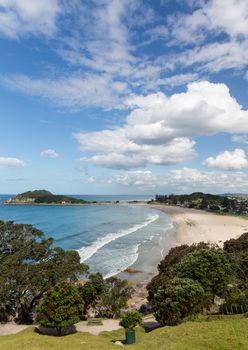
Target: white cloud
x: 90, y: 180
x: 202, y: 30
x: 12, y: 162
x: 141, y: 179
x: 228, y: 160
x: 214, y: 16
x: 190, y: 179
x: 183, y: 180
x: 159, y: 128
x: 214, y: 57
x: 50, y: 153
x: 117, y: 152
x: 25, y: 17
x: 204, y: 109
x: 240, y: 139
x: 71, y: 91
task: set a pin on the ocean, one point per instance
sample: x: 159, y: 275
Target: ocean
x: 109, y: 238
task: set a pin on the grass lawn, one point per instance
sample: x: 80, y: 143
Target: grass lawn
x: 222, y: 333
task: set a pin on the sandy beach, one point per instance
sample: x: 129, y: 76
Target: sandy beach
x: 194, y: 226
x: 190, y: 226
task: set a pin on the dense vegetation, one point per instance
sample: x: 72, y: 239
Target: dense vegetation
x: 190, y: 277
x: 30, y: 268
x: 43, y: 196
x: 107, y: 297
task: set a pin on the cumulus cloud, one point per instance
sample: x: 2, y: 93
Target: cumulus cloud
x: 25, y: 17
x: 228, y: 160
x: 12, y: 162
x: 159, y: 129
x: 204, y: 109
x: 196, y: 180
x: 183, y: 180
x: 141, y: 179
x: 49, y: 153
x: 117, y: 152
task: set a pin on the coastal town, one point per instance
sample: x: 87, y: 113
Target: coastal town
x: 228, y: 203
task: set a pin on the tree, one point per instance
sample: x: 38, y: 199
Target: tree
x: 92, y: 290
x: 29, y: 266
x: 60, y: 307
x: 181, y: 297
x: 211, y: 267
x: 237, y: 249
x: 167, y: 266
x: 114, y: 298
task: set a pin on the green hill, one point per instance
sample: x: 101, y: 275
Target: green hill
x: 222, y: 333
x: 43, y: 197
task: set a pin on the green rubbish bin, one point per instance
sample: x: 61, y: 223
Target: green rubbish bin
x: 130, y: 336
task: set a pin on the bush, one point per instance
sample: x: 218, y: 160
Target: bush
x: 131, y: 319
x: 211, y: 267
x: 60, y: 307
x: 236, y: 301
x: 181, y: 298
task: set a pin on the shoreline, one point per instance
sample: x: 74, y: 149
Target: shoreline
x: 195, y: 226
x: 190, y: 226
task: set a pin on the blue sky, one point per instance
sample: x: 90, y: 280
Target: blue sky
x: 124, y: 96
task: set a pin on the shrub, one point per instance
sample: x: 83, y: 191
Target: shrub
x: 131, y: 319
x: 181, y: 298
x: 60, y: 307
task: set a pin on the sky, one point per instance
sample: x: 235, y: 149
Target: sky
x: 124, y: 96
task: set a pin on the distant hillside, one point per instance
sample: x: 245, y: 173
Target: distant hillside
x: 43, y: 197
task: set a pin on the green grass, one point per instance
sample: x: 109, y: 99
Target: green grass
x: 224, y: 333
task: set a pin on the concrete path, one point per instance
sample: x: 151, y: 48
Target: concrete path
x: 11, y: 328
x: 108, y: 325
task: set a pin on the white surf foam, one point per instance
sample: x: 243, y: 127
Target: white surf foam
x: 124, y: 262
x: 87, y: 252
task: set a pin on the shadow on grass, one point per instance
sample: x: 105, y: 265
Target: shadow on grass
x: 53, y: 332
x: 150, y: 326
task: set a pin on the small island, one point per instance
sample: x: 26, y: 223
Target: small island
x: 43, y: 197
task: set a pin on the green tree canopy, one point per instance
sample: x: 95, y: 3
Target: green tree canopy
x: 181, y: 297
x: 114, y: 297
x: 60, y: 307
x: 29, y: 265
x: 211, y: 267
x: 92, y: 290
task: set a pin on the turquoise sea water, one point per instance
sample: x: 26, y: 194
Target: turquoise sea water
x: 109, y: 238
